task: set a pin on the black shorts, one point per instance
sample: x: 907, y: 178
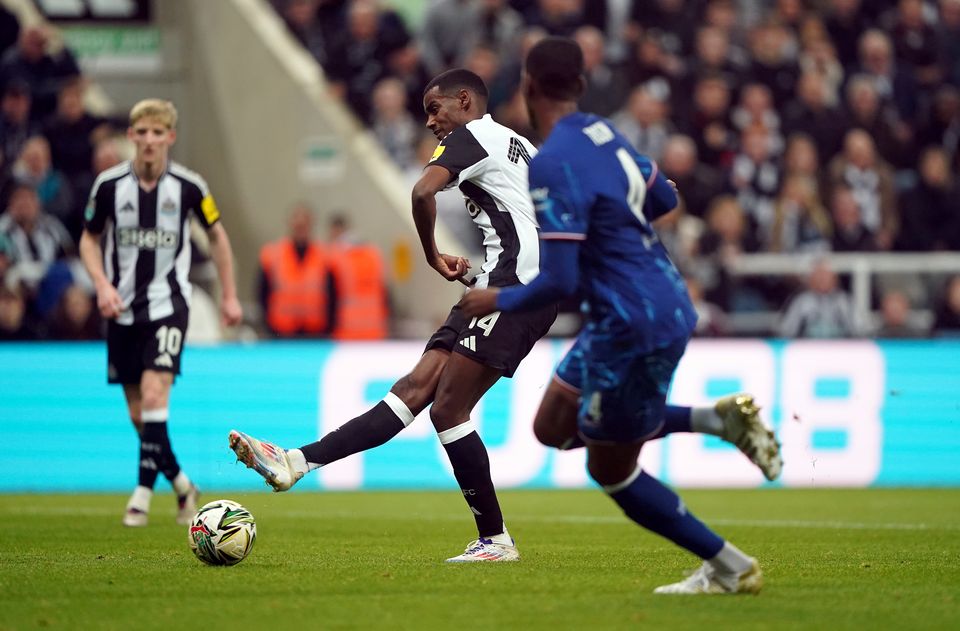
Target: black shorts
x: 133, y: 348
x: 499, y: 340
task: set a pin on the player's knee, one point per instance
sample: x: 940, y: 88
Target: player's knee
x: 547, y: 434
x: 606, y: 473
x: 446, y: 416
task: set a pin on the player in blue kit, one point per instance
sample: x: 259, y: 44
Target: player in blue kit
x: 595, y: 197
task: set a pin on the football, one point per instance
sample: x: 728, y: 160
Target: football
x: 222, y: 533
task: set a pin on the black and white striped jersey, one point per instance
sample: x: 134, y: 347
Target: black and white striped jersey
x: 147, y: 243
x: 46, y: 241
x: 488, y: 162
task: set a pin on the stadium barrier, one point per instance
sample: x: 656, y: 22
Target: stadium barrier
x: 851, y: 413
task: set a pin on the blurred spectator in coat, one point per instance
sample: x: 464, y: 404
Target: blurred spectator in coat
x: 929, y: 214
x: 697, y: 183
x: 947, y: 316
x: 801, y: 158
x: 708, y: 122
x: 773, y: 51
x: 800, y: 224
x: 37, y: 239
x: 302, y: 20
x: 894, y: 82
x: 755, y: 178
x: 53, y: 190
x: 452, y: 28
x: 72, y: 131
x: 15, y: 123
x: 942, y: 127
x: 393, y: 126
x: 867, y: 111
x: 948, y: 39
x: 606, y: 87
x: 362, y: 309
x: 915, y: 43
x: 846, y: 22
x: 871, y: 180
x: 812, y: 114
x: 645, y: 123
x: 849, y: 233
x: 897, y: 318
x: 42, y: 66
x: 755, y: 108
x: 820, y: 311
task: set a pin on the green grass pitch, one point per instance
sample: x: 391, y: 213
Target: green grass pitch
x: 832, y: 559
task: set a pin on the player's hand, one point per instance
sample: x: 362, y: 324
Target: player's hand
x: 231, y: 313
x: 108, y: 301
x: 479, y: 302
x: 674, y: 186
x: 451, y: 267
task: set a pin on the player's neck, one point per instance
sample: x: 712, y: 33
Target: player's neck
x: 148, y: 173
x: 548, y: 116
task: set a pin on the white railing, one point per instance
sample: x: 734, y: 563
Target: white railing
x: 861, y: 267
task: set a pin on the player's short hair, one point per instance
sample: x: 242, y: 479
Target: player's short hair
x: 157, y: 109
x: 555, y: 64
x: 458, y: 79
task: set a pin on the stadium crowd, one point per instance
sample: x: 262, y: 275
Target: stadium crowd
x: 789, y: 126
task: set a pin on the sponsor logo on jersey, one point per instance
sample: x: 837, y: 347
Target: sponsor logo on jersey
x: 438, y: 152
x: 168, y: 206
x: 473, y: 208
x: 146, y: 238
x: 599, y: 133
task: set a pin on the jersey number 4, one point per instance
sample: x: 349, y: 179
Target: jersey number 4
x: 638, y: 185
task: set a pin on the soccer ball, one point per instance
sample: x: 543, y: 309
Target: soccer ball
x: 222, y: 533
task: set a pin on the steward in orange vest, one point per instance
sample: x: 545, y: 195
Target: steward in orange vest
x: 295, y: 288
x: 361, y: 309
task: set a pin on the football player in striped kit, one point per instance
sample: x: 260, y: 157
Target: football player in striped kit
x: 139, y: 211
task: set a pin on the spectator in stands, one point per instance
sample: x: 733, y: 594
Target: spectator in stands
x: 452, y: 28
x: 675, y: 20
x: 755, y: 109
x: 9, y: 29
x: 822, y: 310
x: 708, y: 122
x: 849, y: 233
x: 38, y: 239
x: 53, y: 190
x: 812, y: 114
x: 755, y: 179
x: 652, y: 66
x: 697, y: 183
x: 726, y: 237
x: 800, y: 158
x: 296, y: 286
x: 894, y: 83
x: 606, y: 87
x: 15, y: 123
x: 929, y: 212
x: 644, y: 122
x: 846, y: 22
x: 392, y: 124
x: 362, y: 311
x: 74, y: 317
x: 15, y: 325
x: 867, y: 112
x: 72, y: 132
x: 711, y: 320
x: 42, y: 67
x: 942, y: 126
x: 801, y: 224
x: 947, y: 317
x: 713, y: 56
x: 556, y: 17
x: 871, y: 180
x: 819, y: 58
x: 948, y: 39
x: 405, y: 64
x: 897, y: 319
x: 302, y: 20
x: 774, y: 63
x: 915, y: 43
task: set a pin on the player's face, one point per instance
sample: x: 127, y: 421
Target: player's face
x: 152, y: 140
x: 445, y: 112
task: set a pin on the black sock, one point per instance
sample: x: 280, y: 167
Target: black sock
x: 371, y: 429
x: 155, y: 433
x: 150, y: 459
x: 471, y: 466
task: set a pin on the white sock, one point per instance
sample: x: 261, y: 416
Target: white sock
x: 299, y: 462
x: 731, y: 560
x: 181, y: 484
x: 140, y: 499
x: 503, y: 538
x: 705, y: 420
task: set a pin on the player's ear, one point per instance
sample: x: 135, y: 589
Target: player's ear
x: 173, y: 136
x: 465, y: 98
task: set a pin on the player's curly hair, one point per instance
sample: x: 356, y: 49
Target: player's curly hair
x: 458, y: 79
x: 555, y: 64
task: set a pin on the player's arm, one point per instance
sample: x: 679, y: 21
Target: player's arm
x: 433, y: 180
x: 108, y: 299
x: 661, y: 193
x: 222, y: 255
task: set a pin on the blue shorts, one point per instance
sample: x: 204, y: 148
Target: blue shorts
x: 623, y: 392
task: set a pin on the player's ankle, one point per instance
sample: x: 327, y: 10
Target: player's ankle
x: 299, y: 464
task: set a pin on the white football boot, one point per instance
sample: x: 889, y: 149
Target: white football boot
x: 267, y: 459
x: 134, y: 518
x: 187, y: 505
x: 706, y: 579
x: 742, y: 427
x: 486, y: 550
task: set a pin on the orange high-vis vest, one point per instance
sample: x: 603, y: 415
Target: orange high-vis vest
x: 361, y: 292
x: 298, y: 288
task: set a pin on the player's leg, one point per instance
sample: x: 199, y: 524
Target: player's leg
x: 138, y: 506
x: 408, y: 397
x: 155, y: 403
x: 462, y: 384
x: 654, y: 506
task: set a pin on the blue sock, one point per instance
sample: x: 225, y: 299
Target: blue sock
x: 676, y: 419
x: 655, y: 507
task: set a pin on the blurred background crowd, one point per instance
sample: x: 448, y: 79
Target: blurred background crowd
x: 803, y: 127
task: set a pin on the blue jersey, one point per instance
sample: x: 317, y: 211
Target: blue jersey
x: 589, y: 184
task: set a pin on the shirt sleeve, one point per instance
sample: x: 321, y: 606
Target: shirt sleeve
x: 205, y: 208
x: 561, y: 213
x: 99, y: 207
x: 459, y: 151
